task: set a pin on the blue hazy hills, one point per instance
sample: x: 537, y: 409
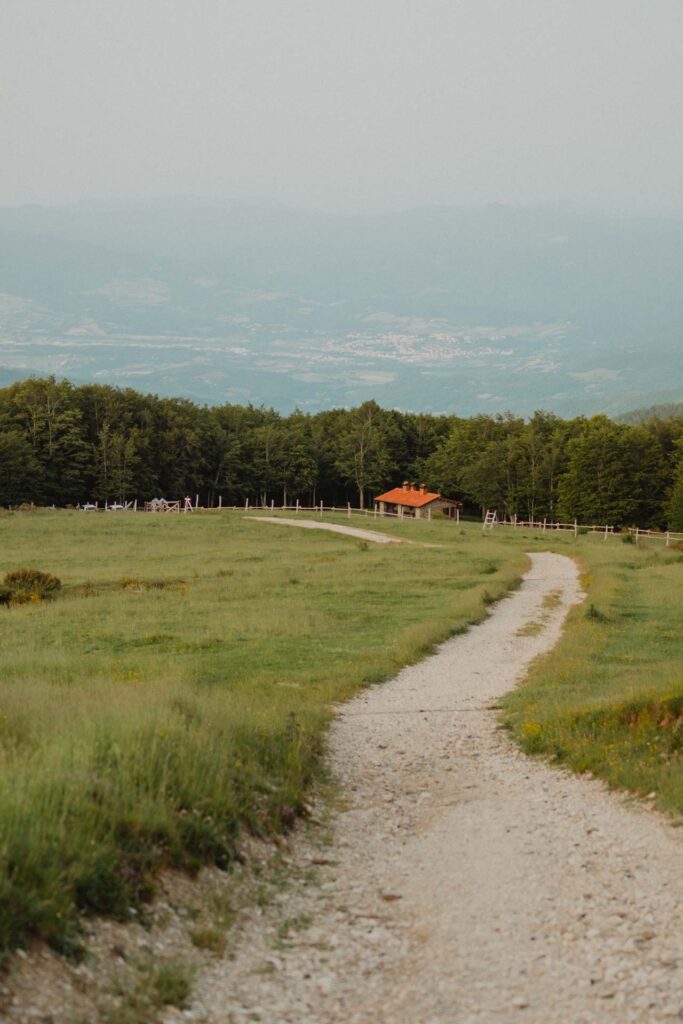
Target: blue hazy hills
x: 435, y: 309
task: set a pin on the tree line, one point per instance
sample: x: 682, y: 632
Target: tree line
x: 62, y: 445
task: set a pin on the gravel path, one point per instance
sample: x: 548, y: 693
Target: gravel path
x: 310, y: 524
x: 465, y: 882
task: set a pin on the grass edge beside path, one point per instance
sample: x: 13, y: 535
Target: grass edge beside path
x: 608, y: 699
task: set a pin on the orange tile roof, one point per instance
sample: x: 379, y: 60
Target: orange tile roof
x: 414, y: 498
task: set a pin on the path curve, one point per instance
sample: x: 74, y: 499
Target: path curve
x: 311, y: 524
x: 465, y: 882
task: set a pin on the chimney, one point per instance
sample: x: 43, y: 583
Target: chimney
x: 406, y: 485
x: 423, y: 489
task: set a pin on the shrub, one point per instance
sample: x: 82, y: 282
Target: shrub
x: 173, y: 984
x: 23, y: 585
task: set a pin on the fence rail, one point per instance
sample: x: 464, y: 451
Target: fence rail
x: 667, y: 536
x: 546, y: 524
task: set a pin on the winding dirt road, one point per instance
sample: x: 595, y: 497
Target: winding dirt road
x: 465, y: 882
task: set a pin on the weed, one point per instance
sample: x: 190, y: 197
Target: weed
x: 141, y: 585
x: 290, y: 924
x: 530, y: 629
x: 209, y: 938
x: 173, y: 984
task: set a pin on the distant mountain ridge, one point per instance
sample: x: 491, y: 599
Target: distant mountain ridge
x: 666, y: 411
x: 437, y: 309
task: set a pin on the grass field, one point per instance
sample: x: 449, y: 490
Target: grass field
x: 177, y: 688
x: 609, y: 698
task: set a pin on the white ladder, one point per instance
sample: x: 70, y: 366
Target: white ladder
x: 490, y: 519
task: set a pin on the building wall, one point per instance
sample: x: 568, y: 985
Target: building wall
x: 434, y: 508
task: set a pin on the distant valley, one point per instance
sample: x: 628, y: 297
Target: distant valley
x: 436, y: 309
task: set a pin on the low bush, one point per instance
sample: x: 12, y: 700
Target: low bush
x: 23, y: 585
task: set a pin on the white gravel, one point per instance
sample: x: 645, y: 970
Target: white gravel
x: 311, y: 524
x: 464, y: 881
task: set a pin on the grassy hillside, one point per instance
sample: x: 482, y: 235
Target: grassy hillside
x: 177, y: 689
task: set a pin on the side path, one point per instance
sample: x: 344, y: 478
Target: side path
x: 465, y: 882
x: 311, y: 524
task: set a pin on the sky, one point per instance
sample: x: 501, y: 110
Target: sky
x: 342, y: 105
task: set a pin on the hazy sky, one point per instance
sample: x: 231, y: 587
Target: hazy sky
x: 342, y: 104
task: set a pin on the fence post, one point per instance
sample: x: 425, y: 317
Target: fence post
x: 220, y: 501
x: 246, y: 504
x: 348, y: 506
x: 667, y: 538
x: 636, y: 534
x: 576, y: 528
x: 272, y: 504
x: 321, y: 509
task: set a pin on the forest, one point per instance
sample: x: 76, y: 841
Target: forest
x: 62, y: 445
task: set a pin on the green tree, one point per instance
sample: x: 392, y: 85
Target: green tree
x: 674, y: 504
x: 297, y: 465
x: 364, y: 451
x: 614, y: 475
x: 19, y: 470
x: 47, y: 413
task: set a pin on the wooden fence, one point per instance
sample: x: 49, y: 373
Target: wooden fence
x: 668, y: 536
x: 188, y: 505
x: 546, y: 524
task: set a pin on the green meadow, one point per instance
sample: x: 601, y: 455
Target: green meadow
x: 609, y: 698
x: 175, y: 692
x: 177, y: 689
